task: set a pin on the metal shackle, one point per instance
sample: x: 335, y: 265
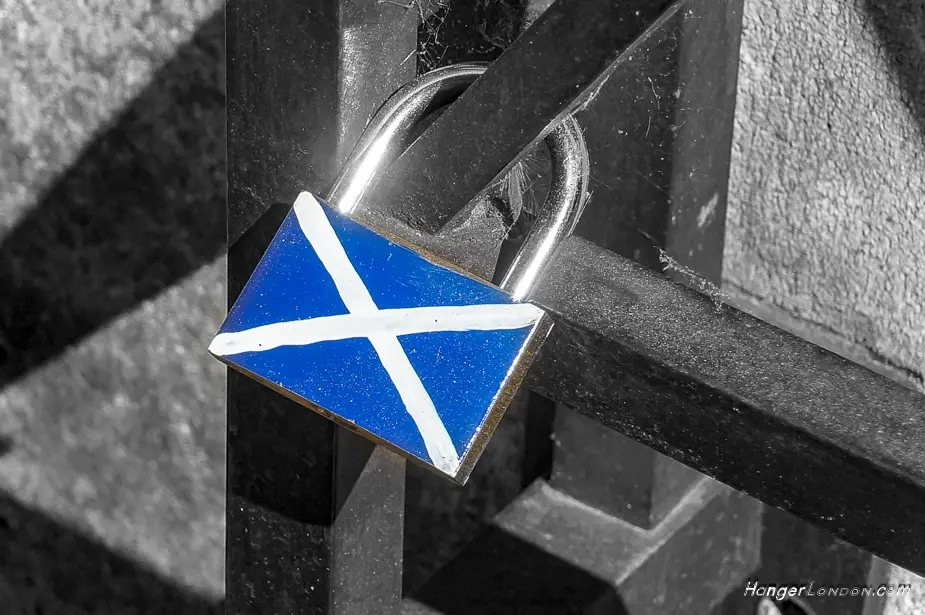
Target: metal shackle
x: 383, y: 138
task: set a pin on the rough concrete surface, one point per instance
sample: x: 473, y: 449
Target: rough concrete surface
x: 911, y: 604
x: 122, y: 439
x: 826, y: 219
x: 111, y: 234
x: 826, y: 216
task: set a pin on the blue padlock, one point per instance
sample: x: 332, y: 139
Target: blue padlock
x: 412, y: 353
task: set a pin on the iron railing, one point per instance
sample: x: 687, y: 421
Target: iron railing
x: 314, y: 521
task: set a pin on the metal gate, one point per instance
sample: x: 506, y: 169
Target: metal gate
x: 610, y: 525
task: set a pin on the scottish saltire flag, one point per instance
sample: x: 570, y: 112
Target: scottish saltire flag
x: 416, y: 355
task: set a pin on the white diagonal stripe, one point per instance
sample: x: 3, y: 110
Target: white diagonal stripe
x: 356, y: 298
x: 316, y: 227
x: 405, y: 321
x: 417, y: 401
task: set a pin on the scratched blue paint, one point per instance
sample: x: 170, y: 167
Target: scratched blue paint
x: 463, y: 372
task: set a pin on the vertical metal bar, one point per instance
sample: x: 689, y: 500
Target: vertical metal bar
x: 659, y: 142
x: 314, y: 514
x: 546, y: 545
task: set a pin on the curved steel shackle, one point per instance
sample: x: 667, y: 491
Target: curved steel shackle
x: 380, y: 144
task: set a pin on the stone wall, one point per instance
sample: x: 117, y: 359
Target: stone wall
x: 826, y: 221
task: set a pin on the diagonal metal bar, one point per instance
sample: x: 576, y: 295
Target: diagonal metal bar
x: 558, y: 62
x: 736, y: 398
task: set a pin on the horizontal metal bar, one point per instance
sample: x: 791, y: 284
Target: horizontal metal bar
x: 732, y: 396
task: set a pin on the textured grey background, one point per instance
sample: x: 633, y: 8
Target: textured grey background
x: 111, y: 413
x: 826, y: 221
x: 111, y: 231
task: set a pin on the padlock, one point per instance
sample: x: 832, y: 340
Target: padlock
x: 383, y: 338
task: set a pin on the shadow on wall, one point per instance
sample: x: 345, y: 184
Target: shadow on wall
x: 900, y: 25
x: 142, y: 207
x: 499, y: 572
x: 47, y: 569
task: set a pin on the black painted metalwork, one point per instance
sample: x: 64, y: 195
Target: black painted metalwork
x: 736, y: 398
x: 759, y: 409
x: 660, y: 141
x: 559, y: 61
x: 702, y: 540
x: 550, y: 554
x: 315, y: 514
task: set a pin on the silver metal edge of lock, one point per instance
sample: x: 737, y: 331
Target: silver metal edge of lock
x: 380, y: 144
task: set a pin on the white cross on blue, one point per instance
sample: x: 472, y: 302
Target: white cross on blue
x: 410, y: 352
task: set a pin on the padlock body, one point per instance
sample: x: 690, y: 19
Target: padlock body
x: 409, y: 352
